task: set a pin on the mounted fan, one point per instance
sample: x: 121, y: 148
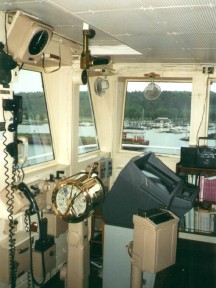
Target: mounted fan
x: 152, y: 91
x: 100, y: 85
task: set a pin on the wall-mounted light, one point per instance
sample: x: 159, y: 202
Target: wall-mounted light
x: 100, y: 85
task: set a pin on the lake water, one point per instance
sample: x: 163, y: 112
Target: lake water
x: 168, y: 143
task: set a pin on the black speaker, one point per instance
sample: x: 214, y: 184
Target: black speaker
x: 188, y: 156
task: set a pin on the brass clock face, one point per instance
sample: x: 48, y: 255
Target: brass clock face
x: 79, y: 201
x: 76, y: 197
x: 71, y: 197
x: 38, y: 42
x: 63, y: 199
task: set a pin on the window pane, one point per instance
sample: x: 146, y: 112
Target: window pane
x: 87, y: 128
x: 35, y: 124
x: 212, y: 115
x: 160, y: 125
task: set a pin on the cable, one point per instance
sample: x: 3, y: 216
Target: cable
x: 10, y: 202
x: 53, y: 57
x: 204, y: 109
x: 27, y: 228
x: 129, y: 247
x: 34, y: 281
x: 5, y: 28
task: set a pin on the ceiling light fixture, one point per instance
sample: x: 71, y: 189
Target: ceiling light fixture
x: 152, y: 91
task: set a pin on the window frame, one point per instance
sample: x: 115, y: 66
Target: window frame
x: 43, y: 167
x: 95, y: 151
x: 164, y: 80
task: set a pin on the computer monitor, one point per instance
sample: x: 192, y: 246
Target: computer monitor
x: 146, y: 183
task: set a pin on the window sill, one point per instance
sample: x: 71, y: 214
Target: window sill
x: 43, y: 171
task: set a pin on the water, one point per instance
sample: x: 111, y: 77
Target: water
x: 41, y: 129
x: 37, y: 152
x: 167, y: 143
x: 162, y: 142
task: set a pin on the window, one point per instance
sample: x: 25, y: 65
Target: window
x: 87, y: 128
x: 35, y: 124
x: 161, y: 125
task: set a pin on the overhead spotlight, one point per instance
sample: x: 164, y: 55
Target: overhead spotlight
x: 6, y: 65
x: 87, y: 60
x: 100, y: 85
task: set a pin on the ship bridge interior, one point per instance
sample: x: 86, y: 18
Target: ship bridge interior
x: 107, y: 143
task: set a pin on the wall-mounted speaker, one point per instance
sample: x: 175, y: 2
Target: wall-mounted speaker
x: 27, y: 37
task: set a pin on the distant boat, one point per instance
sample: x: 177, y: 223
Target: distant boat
x: 175, y: 130
x: 185, y: 138
x: 133, y: 140
x: 212, y: 135
x: 134, y: 127
x: 85, y: 124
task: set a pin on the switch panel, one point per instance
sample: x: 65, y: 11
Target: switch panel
x: 22, y: 256
x: 105, y: 168
x: 49, y: 187
x: 2, y: 126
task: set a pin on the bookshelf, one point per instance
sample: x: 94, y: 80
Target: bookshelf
x: 200, y: 222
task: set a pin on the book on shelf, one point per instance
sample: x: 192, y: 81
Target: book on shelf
x: 207, y: 188
x: 200, y: 220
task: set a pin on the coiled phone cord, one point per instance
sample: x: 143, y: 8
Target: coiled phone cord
x: 10, y: 205
x: 34, y: 281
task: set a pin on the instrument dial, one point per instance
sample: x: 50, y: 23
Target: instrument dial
x: 78, y: 201
x: 63, y: 199
x: 75, y: 198
x: 38, y: 42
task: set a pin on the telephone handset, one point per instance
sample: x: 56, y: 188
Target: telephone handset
x: 20, y: 202
x: 33, y: 208
x: 44, y: 241
x: 18, y: 149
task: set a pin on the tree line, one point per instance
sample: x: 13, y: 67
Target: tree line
x: 174, y: 105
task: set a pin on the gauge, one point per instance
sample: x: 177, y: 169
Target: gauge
x: 78, y: 202
x: 76, y: 197
x: 38, y: 42
x: 63, y: 198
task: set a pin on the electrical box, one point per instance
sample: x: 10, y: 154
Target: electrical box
x: 48, y: 188
x: 56, y: 225
x: 105, y: 168
x: 155, y: 238
x: 49, y: 258
x: 22, y: 256
x: 208, y: 70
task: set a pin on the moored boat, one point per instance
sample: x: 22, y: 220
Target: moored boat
x: 133, y: 138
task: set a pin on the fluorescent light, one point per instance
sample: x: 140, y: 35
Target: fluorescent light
x: 113, y: 50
